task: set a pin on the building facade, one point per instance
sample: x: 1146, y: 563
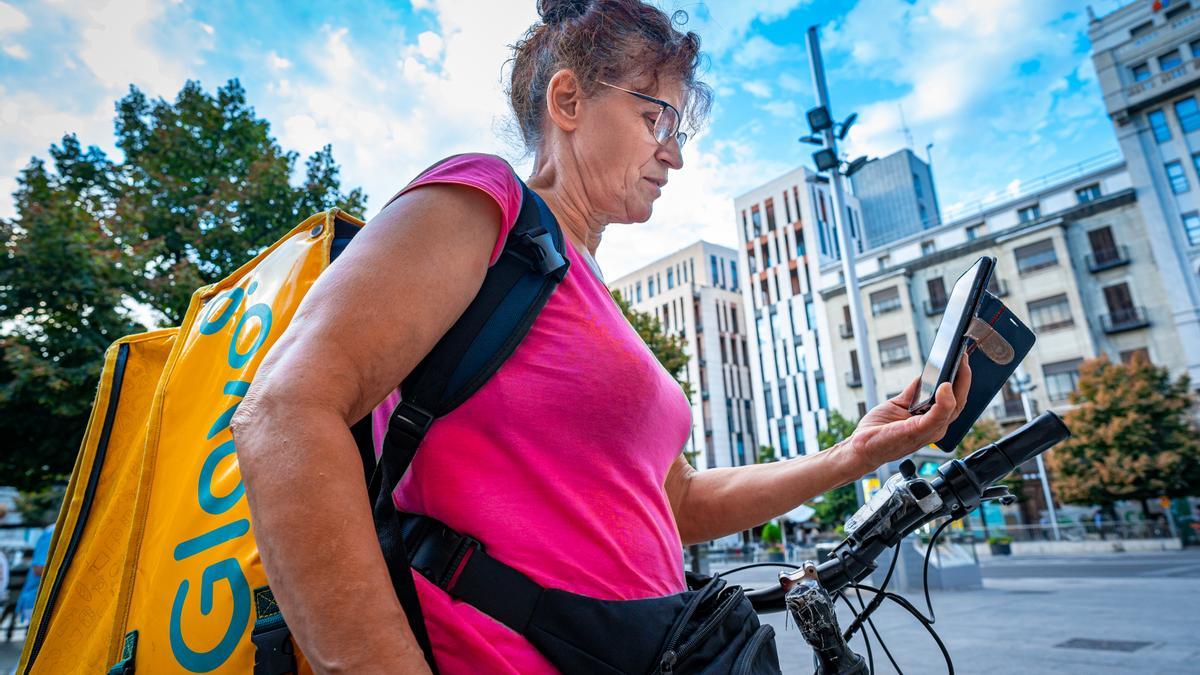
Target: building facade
x: 897, y: 198
x: 1075, y: 261
x: 785, y: 231
x: 695, y: 294
x: 1147, y: 58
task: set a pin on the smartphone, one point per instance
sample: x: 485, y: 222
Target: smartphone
x: 948, y: 344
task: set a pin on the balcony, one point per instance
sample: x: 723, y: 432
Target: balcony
x: 1107, y: 258
x: 853, y: 379
x: 846, y: 331
x: 1127, y: 318
x: 935, y: 307
x: 1011, y: 410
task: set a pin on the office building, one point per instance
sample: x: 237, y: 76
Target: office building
x: 897, y: 198
x: 695, y: 294
x: 785, y: 231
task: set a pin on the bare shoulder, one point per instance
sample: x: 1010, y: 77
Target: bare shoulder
x: 375, y: 313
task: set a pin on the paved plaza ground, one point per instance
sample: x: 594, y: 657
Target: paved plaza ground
x: 1023, y: 618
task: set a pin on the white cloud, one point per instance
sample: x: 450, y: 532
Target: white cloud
x: 12, y: 20
x: 757, y: 88
x: 789, y: 82
x: 959, y: 62
x: 782, y: 109
x: 758, y: 51
x: 725, y: 27
x: 277, y: 62
x: 16, y: 51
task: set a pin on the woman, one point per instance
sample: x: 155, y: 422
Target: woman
x: 567, y: 463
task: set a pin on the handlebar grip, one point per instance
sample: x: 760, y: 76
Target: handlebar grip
x: 998, y: 459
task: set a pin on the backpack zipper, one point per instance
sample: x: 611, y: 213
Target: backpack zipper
x: 85, y: 510
x: 672, y: 655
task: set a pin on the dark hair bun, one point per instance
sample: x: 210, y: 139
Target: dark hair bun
x: 557, y: 11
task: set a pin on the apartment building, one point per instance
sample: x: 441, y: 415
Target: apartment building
x: 695, y: 293
x: 785, y: 231
x: 1147, y: 58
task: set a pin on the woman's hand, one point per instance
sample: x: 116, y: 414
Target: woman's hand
x: 888, y: 432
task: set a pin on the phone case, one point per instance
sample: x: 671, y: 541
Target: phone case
x: 1000, y: 342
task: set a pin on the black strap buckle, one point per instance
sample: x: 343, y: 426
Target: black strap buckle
x: 411, y: 419
x: 274, y: 653
x: 549, y: 261
x: 440, y: 553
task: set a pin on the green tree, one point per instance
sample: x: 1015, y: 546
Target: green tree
x: 839, y: 503
x: 202, y: 189
x: 1132, y: 436
x: 767, y: 454
x: 60, y: 306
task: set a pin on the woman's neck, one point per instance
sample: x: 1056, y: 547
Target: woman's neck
x: 568, y: 201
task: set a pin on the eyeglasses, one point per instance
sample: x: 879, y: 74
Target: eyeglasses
x: 667, y: 123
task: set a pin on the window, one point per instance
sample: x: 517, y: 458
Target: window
x: 1131, y: 355
x: 784, y: 407
x: 670, y: 278
x: 974, y: 231
x: 1194, y: 45
x: 1061, y: 379
x: 787, y: 207
x: 770, y: 206
x: 638, y: 287
x: 1188, y: 114
x: 1088, y: 193
x: 1177, y: 9
x: 1191, y: 228
x: 1119, y: 301
x: 937, y: 294
x: 894, y: 351
x: 887, y: 300
x: 1158, y: 125
x: 746, y: 225
x: 1104, y: 246
x: 1140, y: 72
x: 884, y: 261
x: 795, y: 282
x: 927, y: 247
x: 650, y: 287
x: 1176, y: 177
x: 1035, y: 256
x: 756, y: 218
x: 1029, y: 213
x: 716, y: 274
x: 733, y: 274
x: 1170, y: 60
x: 1051, y: 313
x: 1141, y: 29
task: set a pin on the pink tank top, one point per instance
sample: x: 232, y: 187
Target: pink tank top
x: 557, y: 463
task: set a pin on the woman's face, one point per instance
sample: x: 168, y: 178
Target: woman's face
x: 624, y: 167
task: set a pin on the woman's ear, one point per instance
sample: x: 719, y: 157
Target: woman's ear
x: 563, y: 96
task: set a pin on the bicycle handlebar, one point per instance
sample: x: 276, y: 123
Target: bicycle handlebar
x: 906, y: 502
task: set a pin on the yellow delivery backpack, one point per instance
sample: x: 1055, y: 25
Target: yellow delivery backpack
x: 153, y: 567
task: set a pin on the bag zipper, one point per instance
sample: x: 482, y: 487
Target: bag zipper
x: 753, y: 647
x: 110, y: 414
x: 671, y: 656
x: 667, y: 661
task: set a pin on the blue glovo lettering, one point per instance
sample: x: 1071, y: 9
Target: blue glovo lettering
x: 221, y: 311
x: 204, y: 662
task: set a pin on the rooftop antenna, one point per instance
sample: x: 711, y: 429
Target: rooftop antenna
x: 908, y: 139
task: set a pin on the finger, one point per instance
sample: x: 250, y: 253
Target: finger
x: 933, y: 424
x: 962, y: 386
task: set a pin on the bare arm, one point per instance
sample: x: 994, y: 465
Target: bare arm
x: 713, y: 503
x: 365, y: 325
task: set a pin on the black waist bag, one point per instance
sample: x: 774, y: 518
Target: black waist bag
x: 710, y: 628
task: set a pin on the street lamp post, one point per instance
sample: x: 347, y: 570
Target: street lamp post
x: 1023, y: 383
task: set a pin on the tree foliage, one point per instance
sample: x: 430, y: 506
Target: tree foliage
x: 202, y: 188
x: 1132, y: 437
x: 839, y: 503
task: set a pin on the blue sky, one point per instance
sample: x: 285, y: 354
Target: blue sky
x: 1004, y: 89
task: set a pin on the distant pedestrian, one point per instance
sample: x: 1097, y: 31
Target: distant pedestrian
x: 37, y: 567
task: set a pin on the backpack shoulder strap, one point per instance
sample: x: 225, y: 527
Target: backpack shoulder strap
x: 533, y: 263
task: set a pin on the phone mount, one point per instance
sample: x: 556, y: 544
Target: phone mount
x: 999, y: 341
